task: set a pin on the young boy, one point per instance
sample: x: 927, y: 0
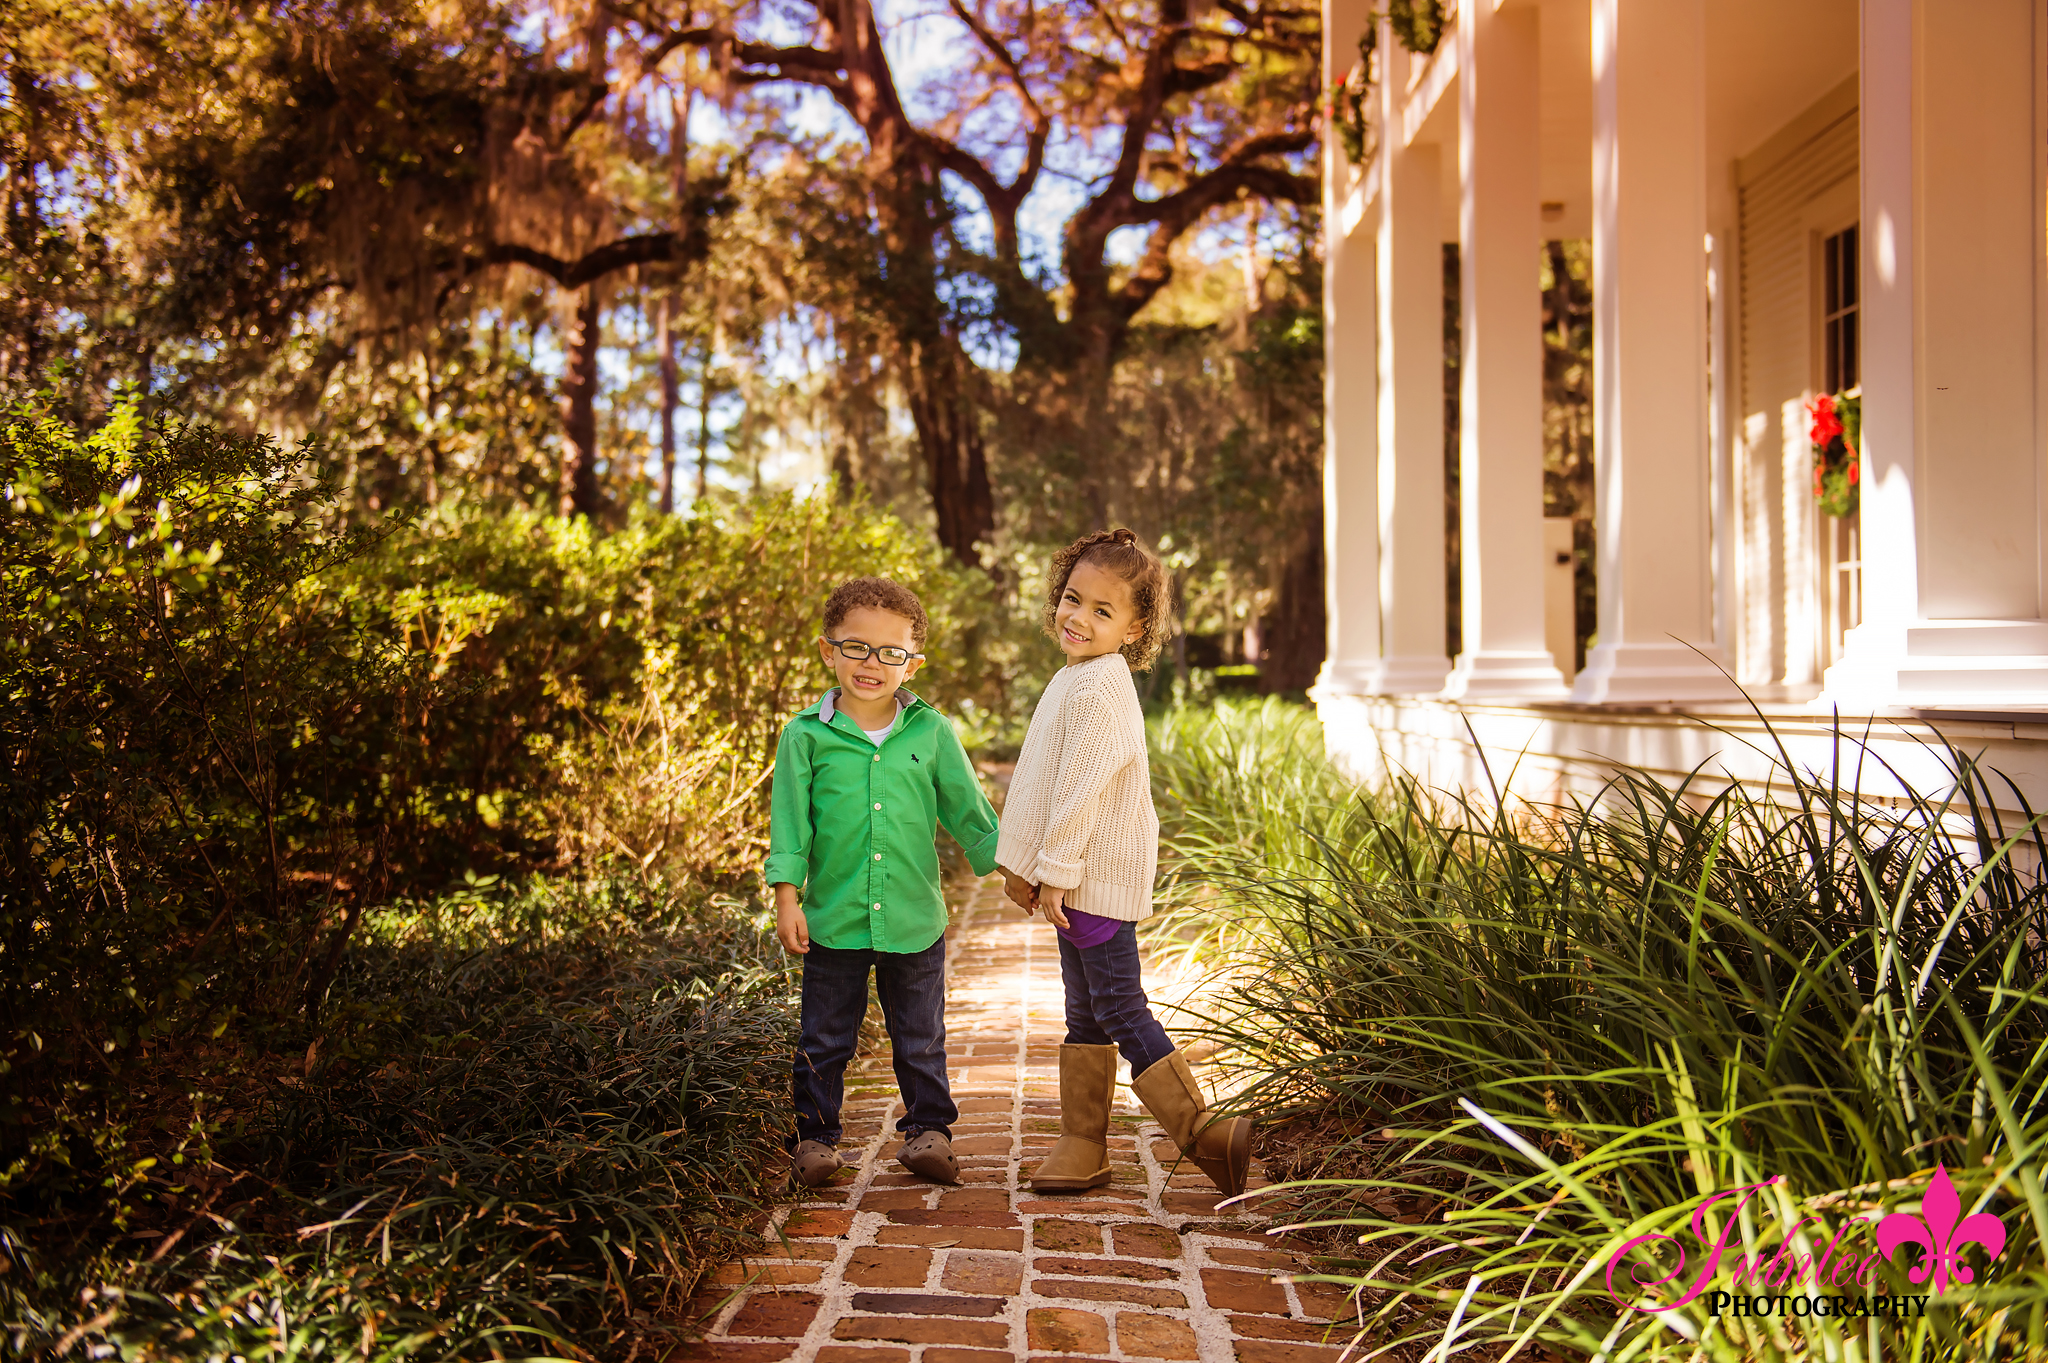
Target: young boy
x: 861, y: 778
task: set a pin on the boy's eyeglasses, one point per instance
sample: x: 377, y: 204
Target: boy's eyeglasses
x: 860, y: 651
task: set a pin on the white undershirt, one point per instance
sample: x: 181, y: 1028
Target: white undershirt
x: 875, y: 736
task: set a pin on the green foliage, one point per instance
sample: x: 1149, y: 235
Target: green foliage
x: 1418, y: 24
x: 1242, y: 783
x: 1837, y: 441
x: 183, y: 795
x: 621, y: 694
x: 1636, y: 1002
x: 238, y: 728
x: 537, y: 1118
x: 1344, y: 103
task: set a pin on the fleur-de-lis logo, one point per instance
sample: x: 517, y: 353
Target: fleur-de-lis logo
x: 1940, y: 1238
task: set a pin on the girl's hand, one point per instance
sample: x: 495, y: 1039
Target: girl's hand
x: 1053, y: 900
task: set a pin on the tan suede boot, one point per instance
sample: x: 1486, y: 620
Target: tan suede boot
x: 1080, y: 1157
x: 1221, y: 1147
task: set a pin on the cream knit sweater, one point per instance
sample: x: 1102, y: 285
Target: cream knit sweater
x: 1079, y: 813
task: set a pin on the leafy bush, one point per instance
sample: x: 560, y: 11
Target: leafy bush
x: 619, y: 695
x: 536, y: 1118
x: 236, y: 731
x: 191, y: 825
x: 1554, y: 1030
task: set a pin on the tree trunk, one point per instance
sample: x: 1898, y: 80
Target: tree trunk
x: 955, y: 456
x: 936, y: 373
x: 704, y: 423
x: 25, y: 230
x: 664, y: 338
x: 1296, y: 633
x: 578, y: 494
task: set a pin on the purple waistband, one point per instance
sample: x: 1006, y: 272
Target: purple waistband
x: 1089, y: 930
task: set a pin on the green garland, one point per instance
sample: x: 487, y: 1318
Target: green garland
x: 1344, y: 102
x: 1419, y: 24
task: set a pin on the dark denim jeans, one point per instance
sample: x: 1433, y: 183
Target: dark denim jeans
x: 1106, y: 1003
x: 912, y: 987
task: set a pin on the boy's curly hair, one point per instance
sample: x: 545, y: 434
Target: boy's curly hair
x: 1119, y: 551
x: 876, y: 593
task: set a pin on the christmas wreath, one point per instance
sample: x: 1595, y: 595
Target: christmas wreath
x: 1837, y: 436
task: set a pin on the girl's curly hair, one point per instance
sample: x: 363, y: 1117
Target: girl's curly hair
x: 1119, y: 551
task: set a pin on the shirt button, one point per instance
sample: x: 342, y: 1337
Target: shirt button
x: 878, y: 805
x: 878, y: 856
x: 878, y: 757
x: 878, y: 908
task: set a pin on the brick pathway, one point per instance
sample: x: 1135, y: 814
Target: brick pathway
x: 886, y: 1268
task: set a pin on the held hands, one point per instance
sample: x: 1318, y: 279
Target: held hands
x: 790, y: 927
x: 1021, y: 892
x: 1031, y: 898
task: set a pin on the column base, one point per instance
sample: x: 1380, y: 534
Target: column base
x: 1939, y: 661
x: 1653, y: 674
x: 1531, y: 675
x: 1345, y: 677
x: 1409, y: 674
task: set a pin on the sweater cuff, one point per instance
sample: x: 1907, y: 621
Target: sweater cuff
x: 786, y: 868
x: 1061, y: 875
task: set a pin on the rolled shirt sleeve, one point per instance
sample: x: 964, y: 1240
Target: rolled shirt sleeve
x: 789, y: 811
x: 964, y: 810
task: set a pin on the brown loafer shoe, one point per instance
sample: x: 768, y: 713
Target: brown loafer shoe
x: 929, y: 1154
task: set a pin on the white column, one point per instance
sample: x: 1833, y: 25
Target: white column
x: 1411, y: 396
x: 1351, y: 532
x: 1500, y: 409
x: 1649, y: 357
x: 1952, y: 183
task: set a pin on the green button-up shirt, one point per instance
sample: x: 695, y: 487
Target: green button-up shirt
x: 854, y: 824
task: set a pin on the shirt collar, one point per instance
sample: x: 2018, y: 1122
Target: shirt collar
x: 828, y: 704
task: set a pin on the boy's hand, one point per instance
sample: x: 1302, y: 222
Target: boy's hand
x: 791, y: 929
x: 1053, y: 900
x: 1022, y: 892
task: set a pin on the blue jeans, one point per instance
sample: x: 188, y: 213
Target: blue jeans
x: 912, y: 987
x: 1106, y: 1003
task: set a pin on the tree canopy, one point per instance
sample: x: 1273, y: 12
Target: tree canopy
x: 951, y: 252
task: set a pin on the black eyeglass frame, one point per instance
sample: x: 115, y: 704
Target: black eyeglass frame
x: 881, y: 651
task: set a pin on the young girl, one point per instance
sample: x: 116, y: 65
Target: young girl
x: 1080, y: 840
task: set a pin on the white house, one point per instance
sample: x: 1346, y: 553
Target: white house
x: 1785, y: 198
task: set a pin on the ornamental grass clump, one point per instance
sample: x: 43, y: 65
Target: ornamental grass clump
x: 538, y: 1117
x: 1551, y: 1032
x: 1240, y: 784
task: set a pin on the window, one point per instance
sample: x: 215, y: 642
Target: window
x: 1840, y: 296
x: 1840, y: 557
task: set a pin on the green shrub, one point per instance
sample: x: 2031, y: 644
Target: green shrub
x: 1554, y: 1030
x: 235, y: 732
x: 619, y: 695
x: 191, y: 820
x: 535, y: 1119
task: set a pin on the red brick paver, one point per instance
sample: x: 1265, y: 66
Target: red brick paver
x: 886, y: 1268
